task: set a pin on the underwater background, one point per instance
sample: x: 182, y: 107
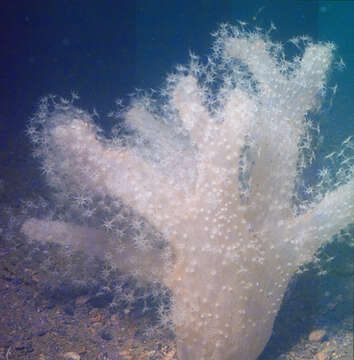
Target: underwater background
x: 105, y: 50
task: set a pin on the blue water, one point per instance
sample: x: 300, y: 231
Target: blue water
x: 104, y: 50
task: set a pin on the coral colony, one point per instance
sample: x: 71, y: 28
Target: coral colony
x: 212, y: 167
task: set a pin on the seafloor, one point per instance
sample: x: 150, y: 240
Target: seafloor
x: 50, y: 311
x: 54, y: 306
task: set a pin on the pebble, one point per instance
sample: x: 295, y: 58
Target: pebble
x: 317, y: 335
x: 71, y: 356
x: 106, y: 335
x: 322, y: 355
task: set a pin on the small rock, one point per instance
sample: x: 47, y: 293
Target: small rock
x: 106, y: 335
x: 322, y: 355
x: 24, y: 346
x: 42, y: 332
x: 71, y: 356
x: 317, y: 335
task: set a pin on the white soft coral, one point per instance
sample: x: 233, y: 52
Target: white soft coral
x: 223, y: 200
